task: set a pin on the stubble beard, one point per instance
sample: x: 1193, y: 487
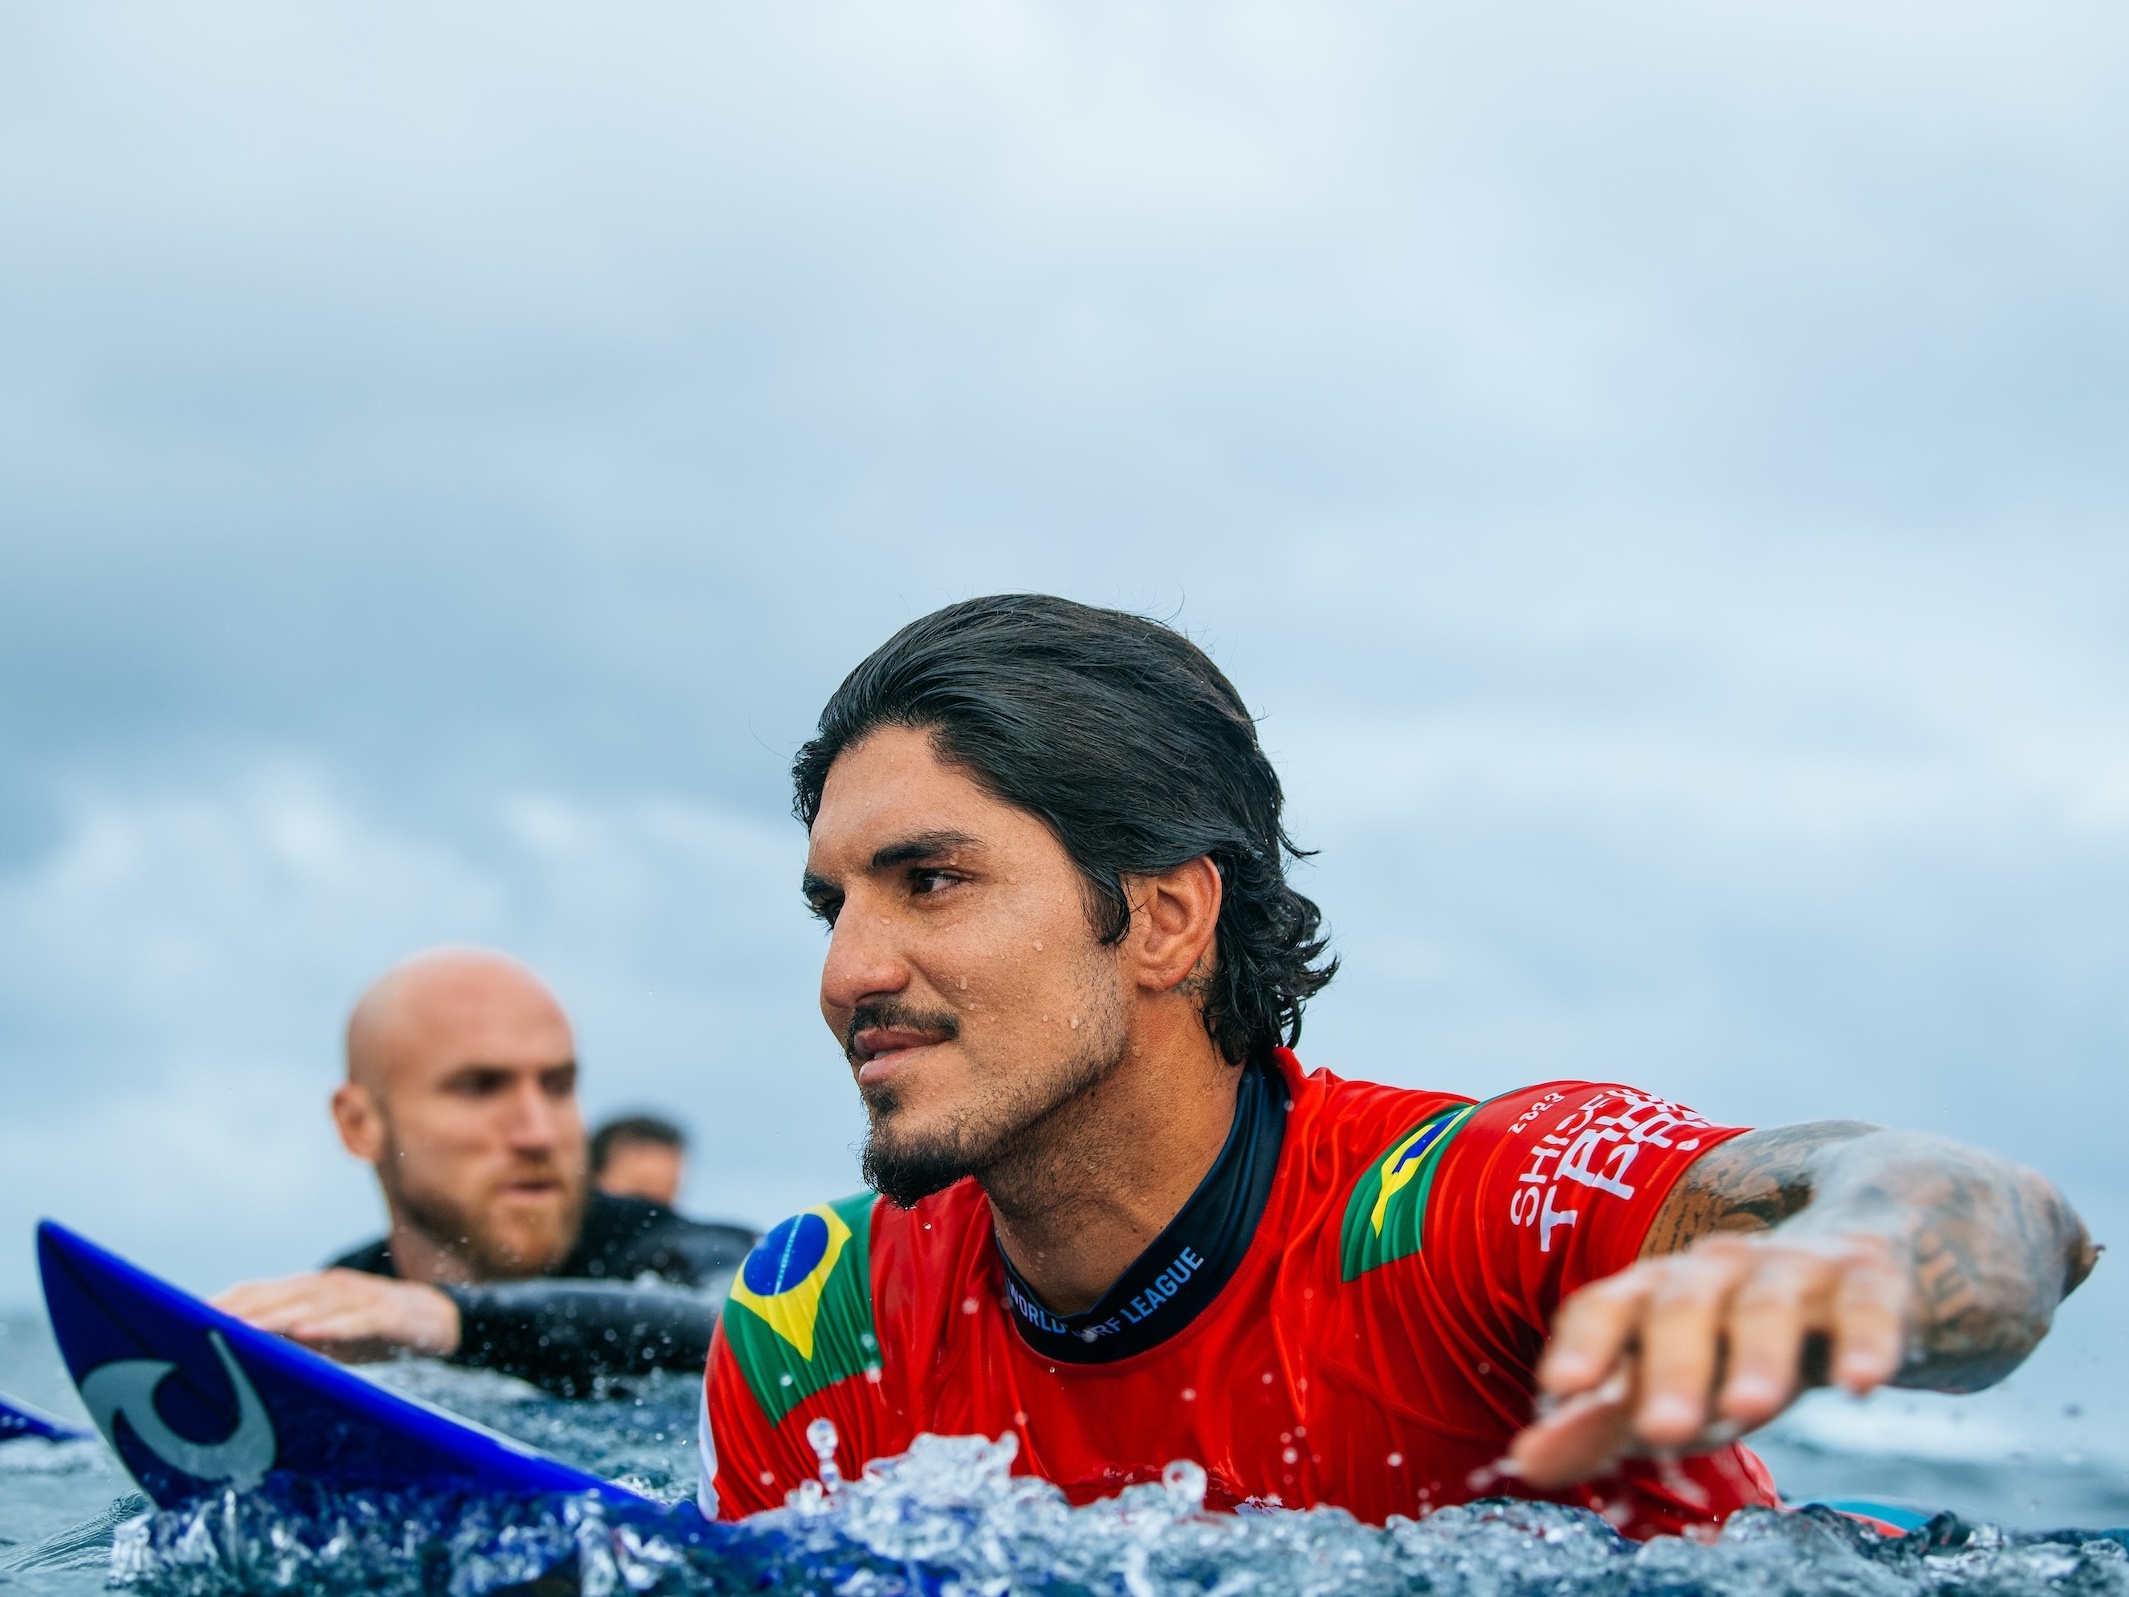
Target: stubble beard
x: 1009, y: 1137
x: 464, y: 1233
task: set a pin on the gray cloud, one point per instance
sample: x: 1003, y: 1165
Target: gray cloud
x: 1656, y: 471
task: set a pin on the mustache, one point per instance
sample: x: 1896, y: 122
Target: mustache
x: 937, y: 1024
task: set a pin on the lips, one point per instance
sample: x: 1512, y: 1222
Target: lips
x: 880, y: 1050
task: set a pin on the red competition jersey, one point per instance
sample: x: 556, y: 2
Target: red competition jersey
x: 1374, y: 1348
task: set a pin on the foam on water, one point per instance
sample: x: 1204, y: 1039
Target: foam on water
x: 950, y: 1518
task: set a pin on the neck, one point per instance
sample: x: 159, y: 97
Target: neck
x: 1089, y: 1187
x: 419, y: 1256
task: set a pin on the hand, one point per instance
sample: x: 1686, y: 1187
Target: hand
x: 348, y: 1314
x: 1686, y: 1352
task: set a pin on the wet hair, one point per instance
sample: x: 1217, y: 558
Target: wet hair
x: 633, y: 1128
x: 1124, y: 737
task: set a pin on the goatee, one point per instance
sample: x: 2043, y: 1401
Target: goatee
x: 1009, y: 1128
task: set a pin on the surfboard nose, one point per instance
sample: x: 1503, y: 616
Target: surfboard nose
x: 194, y: 1401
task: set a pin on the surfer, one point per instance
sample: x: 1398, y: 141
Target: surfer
x: 640, y: 1156
x: 461, y: 1093
x: 1119, y: 1221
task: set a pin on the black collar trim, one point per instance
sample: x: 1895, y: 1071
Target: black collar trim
x: 1177, y: 1277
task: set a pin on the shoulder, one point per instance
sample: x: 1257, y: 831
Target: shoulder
x: 372, y: 1258
x: 623, y: 1238
x: 1375, y: 1151
x: 799, y: 1314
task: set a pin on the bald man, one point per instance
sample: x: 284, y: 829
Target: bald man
x: 461, y: 1093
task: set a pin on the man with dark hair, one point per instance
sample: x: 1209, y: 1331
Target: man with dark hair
x: 1119, y: 1222
x: 639, y: 1156
x: 461, y: 1093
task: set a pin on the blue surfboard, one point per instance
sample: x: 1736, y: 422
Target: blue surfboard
x: 194, y: 1401
x: 197, y: 1404
x: 18, y: 1418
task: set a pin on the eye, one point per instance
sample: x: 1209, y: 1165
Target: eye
x: 923, y: 882
x: 825, y: 907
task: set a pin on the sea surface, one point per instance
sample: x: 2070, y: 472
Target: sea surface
x: 71, y: 1523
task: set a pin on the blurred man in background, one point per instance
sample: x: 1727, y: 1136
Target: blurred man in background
x: 461, y: 1093
x: 640, y: 1156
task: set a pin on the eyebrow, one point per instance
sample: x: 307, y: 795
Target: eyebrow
x: 923, y: 846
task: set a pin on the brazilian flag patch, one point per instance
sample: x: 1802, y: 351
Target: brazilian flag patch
x: 1388, y: 1208
x: 799, y: 1316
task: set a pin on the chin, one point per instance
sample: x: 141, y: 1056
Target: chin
x: 530, y: 1242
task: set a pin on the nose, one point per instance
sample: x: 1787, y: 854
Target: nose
x: 535, y: 1116
x: 864, y: 960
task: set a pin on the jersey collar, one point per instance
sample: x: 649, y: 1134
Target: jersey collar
x: 1184, y: 1269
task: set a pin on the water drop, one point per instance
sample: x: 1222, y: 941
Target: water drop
x: 1185, y: 1482
x: 821, y: 1437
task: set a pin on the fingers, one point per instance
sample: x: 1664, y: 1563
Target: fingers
x: 1578, y: 1438
x: 337, y: 1311
x: 270, y: 1305
x: 1689, y: 1351
x: 1772, y: 1312
x: 1592, y: 1331
x: 1872, y: 1307
x: 1681, y: 1341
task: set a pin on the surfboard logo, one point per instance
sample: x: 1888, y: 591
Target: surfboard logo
x: 127, y: 1386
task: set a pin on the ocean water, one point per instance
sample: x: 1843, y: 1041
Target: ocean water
x: 951, y: 1517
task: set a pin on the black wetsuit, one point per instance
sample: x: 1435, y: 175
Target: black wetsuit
x: 595, y: 1315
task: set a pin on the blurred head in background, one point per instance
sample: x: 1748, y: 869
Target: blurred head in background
x: 461, y: 1091
x: 640, y: 1156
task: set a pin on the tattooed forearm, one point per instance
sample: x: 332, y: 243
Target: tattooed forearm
x: 1750, y: 1183
x: 1990, y: 1246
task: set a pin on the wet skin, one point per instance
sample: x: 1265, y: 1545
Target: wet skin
x: 985, y: 1023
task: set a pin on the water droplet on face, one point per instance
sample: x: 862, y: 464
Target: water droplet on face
x: 1038, y: 945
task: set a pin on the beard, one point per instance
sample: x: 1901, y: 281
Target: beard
x: 491, y: 1252
x: 1009, y: 1122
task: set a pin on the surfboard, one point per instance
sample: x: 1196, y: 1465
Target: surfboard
x: 194, y: 1401
x: 18, y: 1418
x: 197, y: 1404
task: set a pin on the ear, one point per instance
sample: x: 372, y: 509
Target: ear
x: 1174, y: 917
x: 360, y: 1121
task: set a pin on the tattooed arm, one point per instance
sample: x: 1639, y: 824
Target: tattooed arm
x: 1788, y: 1257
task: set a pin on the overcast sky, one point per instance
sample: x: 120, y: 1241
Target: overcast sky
x: 1658, y: 471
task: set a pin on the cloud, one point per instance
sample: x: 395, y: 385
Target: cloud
x: 1656, y: 471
